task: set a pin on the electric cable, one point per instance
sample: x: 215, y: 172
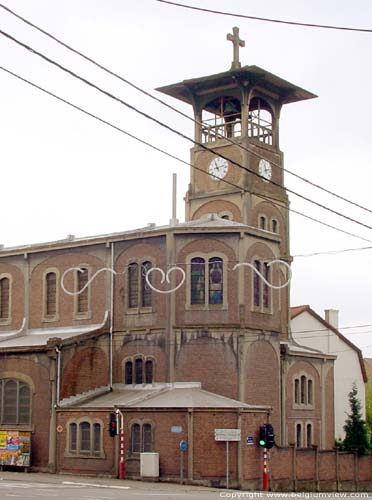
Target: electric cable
x: 174, y: 157
x: 266, y: 19
x: 148, y: 94
x: 171, y: 129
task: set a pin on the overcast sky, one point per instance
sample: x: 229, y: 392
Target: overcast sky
x: 65, y: 173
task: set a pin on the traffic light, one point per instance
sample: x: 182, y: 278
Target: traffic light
x: 270, y: 436
x: 113, y: 426
x: 262, y: 440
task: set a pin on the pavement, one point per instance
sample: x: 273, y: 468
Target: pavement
x: 41, y: 477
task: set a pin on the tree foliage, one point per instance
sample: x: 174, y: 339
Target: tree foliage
x: 356, y: 437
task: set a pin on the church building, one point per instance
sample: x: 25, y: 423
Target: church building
x: 182, y: 328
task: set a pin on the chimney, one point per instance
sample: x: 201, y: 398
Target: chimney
x: 331, y: 316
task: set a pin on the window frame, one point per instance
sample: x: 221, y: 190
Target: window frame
x: 4, y: 321
x: 49, y: 318
x: 206, y: 305
x: 301, y: 399
x: 90, y: 451
x: 140, y: 306
x: 259, y: 289
x: 132, y: 361
x: 141, y: 425
x: 20, y: 384
x: 88, y: 313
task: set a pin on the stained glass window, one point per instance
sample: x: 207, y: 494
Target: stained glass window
x: 197, y: 280
x: 215, y: 280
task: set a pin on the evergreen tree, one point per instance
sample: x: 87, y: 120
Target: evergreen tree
x: 355, y: 427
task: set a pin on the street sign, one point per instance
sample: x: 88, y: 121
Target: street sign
x: 176, y: 428
x: 250, y: 440
x: 183, y: 445
x: 227, y: 434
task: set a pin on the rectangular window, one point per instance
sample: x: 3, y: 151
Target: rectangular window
x: 298, y: 435
x: 308, y: 436
x: 138, y: 366
x: 303, y: 389
x: 310, y: 392
x: 297, y: 391
x: 51, y: 294
x: 129, y: 372
x: 10, y: 402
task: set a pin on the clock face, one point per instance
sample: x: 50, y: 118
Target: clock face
x: 218, y: 168
x: 264, y: 169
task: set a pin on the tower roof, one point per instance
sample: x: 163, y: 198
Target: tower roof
x: 248, y: 76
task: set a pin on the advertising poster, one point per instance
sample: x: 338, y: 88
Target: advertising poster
x: 15, y: 448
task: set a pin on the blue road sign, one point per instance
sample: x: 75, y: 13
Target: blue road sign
x: 183, y: 445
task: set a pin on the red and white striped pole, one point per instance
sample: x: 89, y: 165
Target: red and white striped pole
x: 120, y: 418
x: 265, y: 475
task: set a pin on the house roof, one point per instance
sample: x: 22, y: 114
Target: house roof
x: 297, y: 310
x: 207, y: 223
x: 158, y: 395
x: 39, y: 337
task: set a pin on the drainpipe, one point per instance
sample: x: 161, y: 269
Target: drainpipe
x: 58, y: 375
x: 111, y: 315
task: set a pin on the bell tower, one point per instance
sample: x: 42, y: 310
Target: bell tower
x: 237, y: 159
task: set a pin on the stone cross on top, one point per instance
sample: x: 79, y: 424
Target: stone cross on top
x: 234, y: 38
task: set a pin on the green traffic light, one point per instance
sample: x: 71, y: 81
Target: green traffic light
x: 262, y: 442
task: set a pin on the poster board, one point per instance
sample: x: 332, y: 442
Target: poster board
x: 15, y: 448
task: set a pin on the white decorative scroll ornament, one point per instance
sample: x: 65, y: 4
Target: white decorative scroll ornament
x: 165, y: 277
x: 80, y: 270
x: 276, y: 287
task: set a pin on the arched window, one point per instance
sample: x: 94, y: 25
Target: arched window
x: 298, y: 435
x: 15, y: 402
x: 138, y: 367
x: 4, y: 298
x: 260, y: 121
x: 51, y: 294
x: 73, y: 437
x: 303, y: 389
x: 85, y: 442
x: 266, y: 289
x: 147, y: 437
x: 309, y: 392
x: 135, y: 438
x: 297, y: 391
x: 146, y: 292
x: 149, y: 368
x: 133, y: 285
x: 215, y: 280
x: 84, y: 438
x: 309, y: 435
x: 257, y: 285
x: 197, y: 280
x: 128, y: 377
x: 274, y: 225
x: 141, y: 438
x: 83, y: 297
x: 262, y: 222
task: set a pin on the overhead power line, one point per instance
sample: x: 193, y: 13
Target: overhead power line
x: 267, y: 19
x: 171, y: 129
x: 170, y: 155
x: 157, y: 99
